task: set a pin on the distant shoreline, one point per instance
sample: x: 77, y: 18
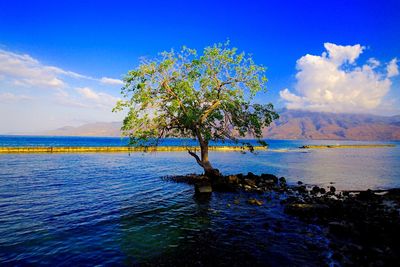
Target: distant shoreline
x: 6, y: 150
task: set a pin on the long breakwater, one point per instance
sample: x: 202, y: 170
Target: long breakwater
x: 5, y: 150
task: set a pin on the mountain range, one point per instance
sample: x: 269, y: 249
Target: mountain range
x: 292, y: 124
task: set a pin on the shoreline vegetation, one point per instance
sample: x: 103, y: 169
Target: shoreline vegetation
x: 361, y: 226
x: 6, y: 150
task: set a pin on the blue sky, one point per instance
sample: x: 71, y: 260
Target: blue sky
x: 60, y: 62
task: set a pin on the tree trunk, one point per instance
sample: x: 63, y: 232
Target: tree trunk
x: 204, y: 162
x: 208, y: 169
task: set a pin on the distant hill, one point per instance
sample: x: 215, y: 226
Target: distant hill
x: 90, y: 129
x: 297, y: 124
x: 293, y: 124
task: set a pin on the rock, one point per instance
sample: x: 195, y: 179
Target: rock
x: 340, y: 228
x: 306, y: 209
x: 332, y: 189
x: 203, y: 188
x: 254, y: 201
x: 269, y: 178
x: 251, y: 175
x: 247, y: 187
x: 301, y: 189
x: 322, y: 191
x: 366, y: 195
x: 249, y: 182
x: 315, y: 190
x: 299, y: 182
x: 232, y: 179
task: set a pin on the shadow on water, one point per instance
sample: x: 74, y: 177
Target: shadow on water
x: 221, y: 230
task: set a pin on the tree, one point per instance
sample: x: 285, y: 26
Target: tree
x: 207, y: 97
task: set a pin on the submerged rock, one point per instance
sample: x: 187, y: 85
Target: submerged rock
x: 254, y: 201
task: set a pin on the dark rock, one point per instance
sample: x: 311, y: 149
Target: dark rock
x: 315, y: 190
x: 366, y: 195
x: 250, y: 182
x: 393, y: 194
x: 340, y: 228
x: 301, y: 189
x: 322, y: 191
x: 282, y: 181
x: 254, y: 201
x: 306, y: 209
x: 299, y: 182
x: 251, y: 175
x: 332, y: 189
x: 269, y: 178
x: 232, y: 179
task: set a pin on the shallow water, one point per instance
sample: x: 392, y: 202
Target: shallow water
x: 65, y: 209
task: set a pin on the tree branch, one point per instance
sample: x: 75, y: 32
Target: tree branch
x: 209, y: 110
x: 170, y: 91
x: 196, y: 157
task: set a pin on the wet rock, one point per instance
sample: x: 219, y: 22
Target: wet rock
x: 254, y: 201
x: 232, y: 179
x: 282, y: 182
x: 340, y: 228
x: 366, y: 195
x: 393, y: 194
x: 247, y: 187
x: 301, y: 189
x: 306, y: 209
x: 251, y: 175
x: 250, y: 182
x: 332, y: 189
x: 322, y: 191
x: 315, y: 190
x: 299, y: 182
x: 269, y: 178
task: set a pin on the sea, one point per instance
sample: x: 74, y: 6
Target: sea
x: 118, y: 209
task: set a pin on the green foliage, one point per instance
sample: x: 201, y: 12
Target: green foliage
x: 207, y: 97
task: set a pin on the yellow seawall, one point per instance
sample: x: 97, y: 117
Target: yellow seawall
x: 115, y: 149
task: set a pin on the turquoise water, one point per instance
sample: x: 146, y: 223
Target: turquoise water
x: 115, y: 208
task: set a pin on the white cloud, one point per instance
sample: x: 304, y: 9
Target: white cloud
x: 100, y: 99
x: 10, y: 97
x: 111, y: 81
x: 333, y: 82
x: 23, y: 70
x: 392, y: 68
x: 25, y: 95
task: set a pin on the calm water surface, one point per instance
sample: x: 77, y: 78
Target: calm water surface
x: 115, y: 209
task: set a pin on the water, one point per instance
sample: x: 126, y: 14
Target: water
x: 81, y: 141
x: 114, y: 209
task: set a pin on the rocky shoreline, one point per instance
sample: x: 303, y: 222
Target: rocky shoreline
x: 362, y: 226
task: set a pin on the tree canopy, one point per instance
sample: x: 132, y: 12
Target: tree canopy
x: 206, y: 97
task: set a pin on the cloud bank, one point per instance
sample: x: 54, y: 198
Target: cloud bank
x: 35, y: 96
x: 333, y: 82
